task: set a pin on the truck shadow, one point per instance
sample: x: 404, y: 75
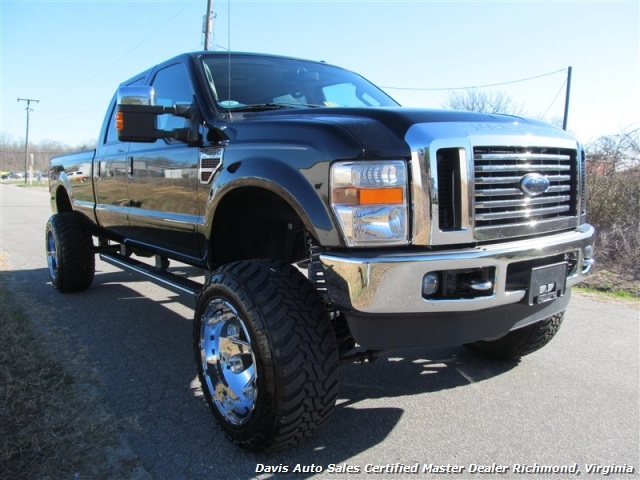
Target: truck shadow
x: 356, y: 428
x: 137, y: 344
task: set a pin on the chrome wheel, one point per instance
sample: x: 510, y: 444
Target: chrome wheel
x: 52, y: 255
x: 228, y: 362
x: 266, y: 353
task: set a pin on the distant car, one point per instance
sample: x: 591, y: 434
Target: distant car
x: 10, y: 176
x: 77, y: 176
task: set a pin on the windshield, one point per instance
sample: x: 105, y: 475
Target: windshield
x: 274, y: 82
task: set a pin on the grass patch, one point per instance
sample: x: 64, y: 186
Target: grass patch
x: 613, y: 281
x: 49, y: 427
x: 611, y: 293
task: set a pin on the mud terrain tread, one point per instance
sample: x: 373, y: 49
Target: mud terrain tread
x: 521, y: 342
x: 297, y: 345
x: 75, y: 252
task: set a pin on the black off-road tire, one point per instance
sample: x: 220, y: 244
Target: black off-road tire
x: 263, y: 323
x: 70, y: 252
x: 520, y: 342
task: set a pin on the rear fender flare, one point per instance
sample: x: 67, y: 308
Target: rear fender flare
x: 60, y: 182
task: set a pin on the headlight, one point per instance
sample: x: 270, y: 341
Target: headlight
x: 370, y: 201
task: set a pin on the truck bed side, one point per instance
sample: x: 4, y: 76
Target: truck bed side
x: 71, y: 183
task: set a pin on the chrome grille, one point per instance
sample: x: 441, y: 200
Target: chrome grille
x: 499, y: 198
x: 210, y: 163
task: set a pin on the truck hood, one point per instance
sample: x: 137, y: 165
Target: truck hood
x: 382, y: 132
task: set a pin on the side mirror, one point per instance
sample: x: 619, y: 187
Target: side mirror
x: 136, y: 96
x: 137, y: 117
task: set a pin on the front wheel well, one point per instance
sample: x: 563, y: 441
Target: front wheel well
x: 253, y: 223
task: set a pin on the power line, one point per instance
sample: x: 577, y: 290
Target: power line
x: 555, y: 98
x: 108, y: 67
x: 477, y: 86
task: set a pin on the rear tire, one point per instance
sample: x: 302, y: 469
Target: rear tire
x: 520, y: 342
x: 266, y: 354
x: 70, y: 252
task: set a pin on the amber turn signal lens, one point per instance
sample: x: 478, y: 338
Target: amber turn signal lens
x: 367, y: 196
x: 119, y: 121
x: 379, y: 196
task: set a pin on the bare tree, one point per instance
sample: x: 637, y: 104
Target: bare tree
x: 613, y: 199
x: 12, y: 152
x: 474, y: 100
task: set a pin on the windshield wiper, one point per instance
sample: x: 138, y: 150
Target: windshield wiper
x: 272, y: 106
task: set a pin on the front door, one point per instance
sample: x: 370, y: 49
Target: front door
x: 163, y: 185
x: 111, y: 171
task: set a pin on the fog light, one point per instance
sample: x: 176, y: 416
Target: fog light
x: 588, y: 251
x: 430, y: 284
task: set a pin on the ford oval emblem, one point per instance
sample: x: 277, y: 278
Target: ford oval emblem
x: 534, y: 184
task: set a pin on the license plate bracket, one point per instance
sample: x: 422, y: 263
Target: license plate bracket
x: 547, y: 283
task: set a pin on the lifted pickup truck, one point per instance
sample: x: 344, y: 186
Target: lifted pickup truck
x: 416, y: 228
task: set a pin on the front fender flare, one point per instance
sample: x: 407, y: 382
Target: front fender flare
x: 293, y: 185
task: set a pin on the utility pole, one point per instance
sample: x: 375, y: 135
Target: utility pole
x: 208, y: 23
x: 26, y: 142
x: 566, y: 101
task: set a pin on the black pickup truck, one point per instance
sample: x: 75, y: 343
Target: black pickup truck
x: 331, y: 225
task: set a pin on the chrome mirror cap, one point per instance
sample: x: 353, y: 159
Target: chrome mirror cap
x: 136, y: 96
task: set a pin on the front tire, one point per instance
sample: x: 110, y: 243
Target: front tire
x: 70, y: 252
x: 266, y: 354
x: 520, y: 342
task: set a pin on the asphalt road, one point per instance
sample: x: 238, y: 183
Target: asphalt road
x: 574, y: 402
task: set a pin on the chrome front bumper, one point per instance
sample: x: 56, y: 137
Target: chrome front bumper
x: 391, y: 282
x: 381, y: 295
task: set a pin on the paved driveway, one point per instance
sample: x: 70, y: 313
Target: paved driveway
x: 574, y: 404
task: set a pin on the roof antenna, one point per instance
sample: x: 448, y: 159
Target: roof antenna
x: 229, y: 56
